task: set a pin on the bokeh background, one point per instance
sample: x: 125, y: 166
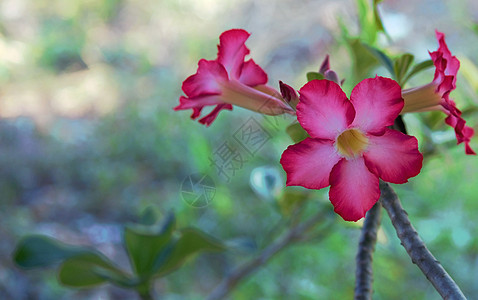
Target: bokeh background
x: 88, y: 140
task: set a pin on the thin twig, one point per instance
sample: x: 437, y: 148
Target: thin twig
x: 368, y: 238
x: 416, y: 248
x: 294, y: 234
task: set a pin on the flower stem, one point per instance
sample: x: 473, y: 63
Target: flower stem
x: 144, y: 291
x: 295, y: 234
x: 368, y: 238
x: 416, y: 248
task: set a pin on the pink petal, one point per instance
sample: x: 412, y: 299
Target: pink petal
x: 252, y: 74
x: 377, y: 102
x: 353, y: 189
x: 208, y: 119
x: 445, y: 63
x: 203, y: 89
x: 232, y: 50
x: 468, y: 132
x: 206, y: 80
x: 393, y: 156
x: 324, y: 110
x: 446, y: 69
x: 309, y: 163
x: 463, y: 133
x: 198, y: 102
x: 468, y: 149
x: 196, y: 111
x: 429, y: 96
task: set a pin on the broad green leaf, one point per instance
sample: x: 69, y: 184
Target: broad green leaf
x: 401, y: 66
x: 314, y: 75
x: 363, y: 59
x: 118, y: 278
x: 417, y: 69
x: 144, y: 244
x: 191, y: 241
x: 89, y: 269
x: 382, y: 58
x: 296, y: 132
x: 41, y: 251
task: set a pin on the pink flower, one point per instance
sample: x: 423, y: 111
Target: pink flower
x: 230, y: 80
x: 350, y: 146
x: 436, y: 95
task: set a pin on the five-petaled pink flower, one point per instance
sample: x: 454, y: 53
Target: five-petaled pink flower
x: 229, y: 80
x: 436, y: 95
x: 350, y: 146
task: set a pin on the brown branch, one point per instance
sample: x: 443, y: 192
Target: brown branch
x: 366, y: 247
x: 416, y: 248
x: 296, y: 233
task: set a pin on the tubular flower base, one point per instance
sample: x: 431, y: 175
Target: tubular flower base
x: 229, y: 80
x: 350, y: 146
x: 436, y: 95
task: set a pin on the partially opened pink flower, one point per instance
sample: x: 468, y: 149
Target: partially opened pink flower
x: 350, y: 146
x: 230, y: 80
x: 436, y: 95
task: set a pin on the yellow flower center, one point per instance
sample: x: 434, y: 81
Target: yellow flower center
x: 351, y: 143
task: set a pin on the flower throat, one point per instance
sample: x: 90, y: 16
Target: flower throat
x: 351, y: 143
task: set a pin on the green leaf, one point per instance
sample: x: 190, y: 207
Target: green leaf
x: 296, y: 132
x: 191, y: 241
x: 377, y: 18
x: 401, y: 66
x: 367, y: 29
x: 90, y: 269
x: 370, y: 20
x: 382, y: 58
x: 41, y: 251
x: 363, y: 59
x: 314, y: 75
x: 418, y: 68
x: 144, y: 244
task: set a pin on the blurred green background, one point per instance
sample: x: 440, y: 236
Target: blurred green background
x: 88, y: 140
